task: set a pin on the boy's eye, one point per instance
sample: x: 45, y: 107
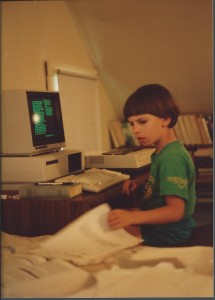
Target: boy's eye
x: 131, y: 123
x: 142, y: 121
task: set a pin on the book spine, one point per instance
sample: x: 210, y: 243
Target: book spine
x: 209, y: 121
x: 189, y: 130
x: 61, y: 191
x: 183, y: 130
x: 205, y: 128
x: 201, y: 131
x: 194, y: 128
x: 178, y: 133
x: 117, y: 132
x: 113, y: 137
x: 206, y: 151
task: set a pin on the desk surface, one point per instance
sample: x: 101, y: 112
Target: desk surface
x: 41, y: 216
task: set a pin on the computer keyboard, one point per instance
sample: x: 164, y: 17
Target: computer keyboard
x: 95, y: 180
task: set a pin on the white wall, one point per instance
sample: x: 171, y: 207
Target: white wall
x: 37, y: 31
x: 136, y: 42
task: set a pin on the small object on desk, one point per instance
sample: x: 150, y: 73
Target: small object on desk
x: 53, y: 183
x: 50, y: 190
x: 8, y: 194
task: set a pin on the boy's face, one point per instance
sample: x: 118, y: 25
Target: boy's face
x: 149, y: 129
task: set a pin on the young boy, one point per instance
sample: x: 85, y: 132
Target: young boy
x: 169, y: 197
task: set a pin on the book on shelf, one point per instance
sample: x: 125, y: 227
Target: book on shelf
x: 194, y: 129
x: 113, y: 137
x: 205, y: 130
x: 178, y: 132
x: 54, y: 191
x: 204, y: 152
x: 188, y: 125
x: 122, y: 134
x: 117, y: 134
x: 184, y: 130
x: 209, y: 121
x: 205, y: 171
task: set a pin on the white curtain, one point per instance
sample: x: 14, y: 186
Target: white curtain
x: 81, y: 112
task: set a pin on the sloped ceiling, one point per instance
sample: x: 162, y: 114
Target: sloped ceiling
x: 136, y: 42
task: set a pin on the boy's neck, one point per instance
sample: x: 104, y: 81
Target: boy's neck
x: 167, y: 139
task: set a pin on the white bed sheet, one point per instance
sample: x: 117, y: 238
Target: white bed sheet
x: 139, y: 271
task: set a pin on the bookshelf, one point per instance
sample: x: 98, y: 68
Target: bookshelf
x: 195, y: 131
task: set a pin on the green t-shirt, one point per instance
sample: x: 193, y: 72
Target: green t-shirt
x: 172, y: 172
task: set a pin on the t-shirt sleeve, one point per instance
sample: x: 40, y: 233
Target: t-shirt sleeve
x: 173, y: 179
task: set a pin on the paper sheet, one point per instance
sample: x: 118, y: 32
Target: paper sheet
x: 88, y: 239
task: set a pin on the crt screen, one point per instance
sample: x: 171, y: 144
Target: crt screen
x: 45, y: 118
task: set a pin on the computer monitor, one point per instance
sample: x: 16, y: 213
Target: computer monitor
x: 31, y: 122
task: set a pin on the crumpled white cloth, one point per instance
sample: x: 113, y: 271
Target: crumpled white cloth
x: 161, y: 280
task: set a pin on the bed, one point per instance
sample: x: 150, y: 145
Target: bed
x: 51, y: 267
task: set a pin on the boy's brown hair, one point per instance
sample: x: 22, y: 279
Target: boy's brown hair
x: 152, y: 99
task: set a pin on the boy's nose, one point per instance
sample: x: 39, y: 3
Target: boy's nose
x: 136, y: 128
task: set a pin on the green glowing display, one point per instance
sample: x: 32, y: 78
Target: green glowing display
x: 42, y: 109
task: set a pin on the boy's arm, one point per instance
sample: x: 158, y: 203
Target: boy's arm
x: 173, y: 211
x: 131, y: 185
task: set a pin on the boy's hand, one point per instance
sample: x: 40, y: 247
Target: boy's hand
x: 119, y: 218
x: 129, y: 186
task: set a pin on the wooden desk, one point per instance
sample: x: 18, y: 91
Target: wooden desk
x: 39, y: 216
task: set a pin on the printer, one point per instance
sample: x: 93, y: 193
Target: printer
x: 119, y: 158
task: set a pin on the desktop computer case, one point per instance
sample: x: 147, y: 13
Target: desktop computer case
x: 29, y: 169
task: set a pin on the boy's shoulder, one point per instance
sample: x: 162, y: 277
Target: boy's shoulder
x: 173, y: 150
x: 172, y: 147
x: 176, y: 152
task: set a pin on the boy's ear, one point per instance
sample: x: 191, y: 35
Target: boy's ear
x: 166, y: 122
